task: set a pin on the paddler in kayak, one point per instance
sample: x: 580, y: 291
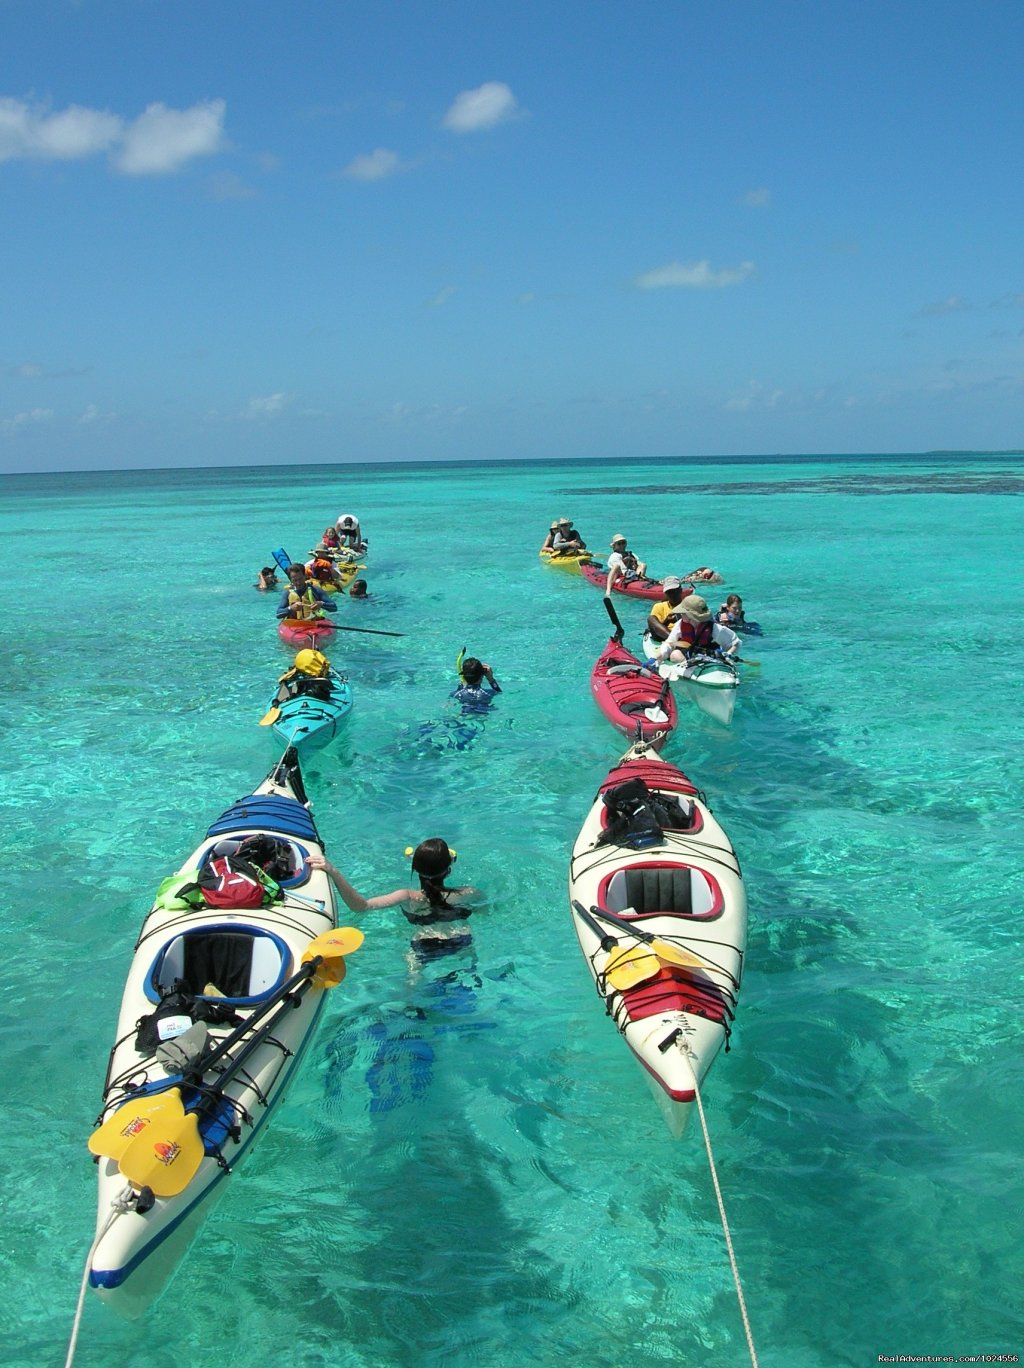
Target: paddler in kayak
x: 667, y: 612
x: 477, y: 686
x: 623, y: 564
x: 321, y: 570
x: 567, y: 541
x: 438, y: 912
x: 695, y: 634
x: 329, y: 540
x: 549, y: 540
x: 303, y: 599
x: 350, y: 537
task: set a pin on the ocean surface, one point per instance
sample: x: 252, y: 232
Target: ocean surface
x: 470, y: 1169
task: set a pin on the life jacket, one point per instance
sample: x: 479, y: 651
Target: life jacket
x: 696, y: 638
x: 302, y: 605
x: 630, y: 563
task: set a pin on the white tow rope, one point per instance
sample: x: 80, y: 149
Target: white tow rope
x: 687, y: 1055
x: 119, y: 1206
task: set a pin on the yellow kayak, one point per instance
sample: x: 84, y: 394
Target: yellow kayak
x: 570, y: 561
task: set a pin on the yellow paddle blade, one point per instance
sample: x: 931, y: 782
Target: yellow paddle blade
x: 624, y: 968
x: 269, y: 718
x: 166, y: 1156
x: 332, y: 947
x: 126, y: 1124
x: 675, y: 954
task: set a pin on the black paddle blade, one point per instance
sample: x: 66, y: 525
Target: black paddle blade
x: 620, y: 631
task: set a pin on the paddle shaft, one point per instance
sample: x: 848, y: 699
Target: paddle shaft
x: 607, y: 942
x: 306, y: 972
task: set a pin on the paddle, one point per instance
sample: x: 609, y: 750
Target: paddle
x: 270, y: 717
x: 167, y: 1153
x: 112, y: 1138
x: 620, y: 631
x: 624, y: 968
x: 671, y: 954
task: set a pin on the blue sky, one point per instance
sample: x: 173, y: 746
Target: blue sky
x: 256, y: 232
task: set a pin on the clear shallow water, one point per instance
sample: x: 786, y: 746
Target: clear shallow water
x: 470, y: 1169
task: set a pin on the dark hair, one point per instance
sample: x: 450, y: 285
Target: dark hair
x: 432, y: 861
x: 357, y: 585
x: 472, y: 671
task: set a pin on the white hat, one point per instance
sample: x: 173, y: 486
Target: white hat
x: 617, y: 538
x: 671, y: 582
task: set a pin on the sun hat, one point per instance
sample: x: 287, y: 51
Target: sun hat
x: 616, y: 539
x: 671, y: 582
x: 553, y: 527
x: 695, y: 608
x: 565, y: 522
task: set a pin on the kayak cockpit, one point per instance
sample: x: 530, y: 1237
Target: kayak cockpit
x: 661, y: 888
x: 235, y: 964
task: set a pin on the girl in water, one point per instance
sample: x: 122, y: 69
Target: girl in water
x: 438, y: 912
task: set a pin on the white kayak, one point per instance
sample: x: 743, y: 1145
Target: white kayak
x: 708, y: 681
x: 662, y: 929
x: 183, y: 1103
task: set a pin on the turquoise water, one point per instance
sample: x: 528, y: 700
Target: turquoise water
x: 470, y: 1169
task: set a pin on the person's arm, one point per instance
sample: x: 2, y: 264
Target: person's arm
x: 352, y: 898
x: 663, y: 651
x: 489, y: 676
x: 284, y: 605
x: 324, y: 600
x: 656, y: 627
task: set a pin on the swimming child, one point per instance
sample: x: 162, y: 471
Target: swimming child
x: 437, y: 911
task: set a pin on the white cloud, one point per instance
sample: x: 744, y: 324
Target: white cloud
x: 73, y: 132
x: 162, y: 140
x: 698, y: 275
x: 490, y: 104
x: 29, y: 416
x: 374, y: 166
x: 92, y: 414
x: 228, y: 185
x: 755, y: 397
x: 760, y: 198
x: 28, y: 370
x: 443, y: 295
x: 951, y: 304
x: 267, y: 406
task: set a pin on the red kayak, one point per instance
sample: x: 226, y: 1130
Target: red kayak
x: 637, y: 588
x: 304, y: 632
x: 635, y: 701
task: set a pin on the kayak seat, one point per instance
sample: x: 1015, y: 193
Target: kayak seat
x: 245, y: 964
x: 297, y: 855
x: 660, y: 888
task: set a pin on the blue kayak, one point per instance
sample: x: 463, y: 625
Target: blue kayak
x: 309, y: 723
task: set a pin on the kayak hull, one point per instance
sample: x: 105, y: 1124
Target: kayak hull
x: 634, y: 700
x: 573, y: 563
x: 299, y: 632
x: 137, y: 1244
x: 706, y: 681
x: 686, y: 889
x: 637, y: 588
x: 309, y: 724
